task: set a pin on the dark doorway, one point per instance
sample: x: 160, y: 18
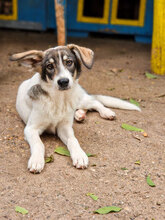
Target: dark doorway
x: 128, y: 9
x: 93, y: 8
x: 6, y: 7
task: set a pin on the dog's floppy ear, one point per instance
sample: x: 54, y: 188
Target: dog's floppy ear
x: 86, y: 55
x: 30, y: 58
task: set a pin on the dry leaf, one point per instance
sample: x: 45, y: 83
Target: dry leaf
x: 136, y: 137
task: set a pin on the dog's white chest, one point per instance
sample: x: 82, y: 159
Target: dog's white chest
x: 53, y: 111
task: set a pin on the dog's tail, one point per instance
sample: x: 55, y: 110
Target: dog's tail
x: 109, y: 101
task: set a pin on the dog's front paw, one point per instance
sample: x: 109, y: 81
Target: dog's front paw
x: 80, y: 115
x: 36, y: 163
x: 80, y: 159
x: 108, y: 114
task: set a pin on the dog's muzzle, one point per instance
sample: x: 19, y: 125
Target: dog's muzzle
x: 63, y: 83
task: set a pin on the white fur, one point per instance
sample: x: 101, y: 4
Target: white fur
x: 80, y: 114
x: 63, y: 73
x: 52, y: 113
x: 55, y: 113
x: 54, y: 110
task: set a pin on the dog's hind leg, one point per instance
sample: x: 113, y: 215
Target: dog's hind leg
x: 80, y: 114
x: 90, y: 103
x: 66, y: 134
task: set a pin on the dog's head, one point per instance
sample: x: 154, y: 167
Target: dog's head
x: 60, y: 65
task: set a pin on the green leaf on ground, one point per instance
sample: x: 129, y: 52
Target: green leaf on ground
x: 107, y: 209
x: 21, y: 210
x: 63, y: 151
x: 137, y: 162
x: 149, y: 182
x: 134, y: 102
x: 131, y: 128
x: 150, y: 76
x: 97, y: 122
x: 49, y: 159
x: 110, y: 89
x: 92, y: 196
x: 124, y: 168
x: 91, y: 155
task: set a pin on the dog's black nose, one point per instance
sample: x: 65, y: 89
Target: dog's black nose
x: 63, y: 83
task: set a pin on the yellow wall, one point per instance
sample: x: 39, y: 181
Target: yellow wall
x: 158, y: 38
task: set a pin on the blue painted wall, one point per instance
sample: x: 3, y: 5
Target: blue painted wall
x: 42, y: 12
x: 32, y: 11
x: 145, y: 31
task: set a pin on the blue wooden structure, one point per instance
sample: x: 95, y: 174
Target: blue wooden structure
x: 82, y: 16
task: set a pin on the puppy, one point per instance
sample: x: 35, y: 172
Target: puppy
x: 48, y: 101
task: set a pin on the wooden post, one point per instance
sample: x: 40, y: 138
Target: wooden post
x: 60, y: 9
x: 158, y: 38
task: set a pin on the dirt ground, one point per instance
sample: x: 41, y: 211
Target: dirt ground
x: 59, y: 192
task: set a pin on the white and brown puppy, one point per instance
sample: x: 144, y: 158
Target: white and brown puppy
x: 48, y: 101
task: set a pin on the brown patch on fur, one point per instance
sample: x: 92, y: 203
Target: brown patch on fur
x: 65, y: 54
x: 75, y: 74
x: 36, y: 91
x: 30, y: 58
x: 86, y: 55
x: 40, y: 59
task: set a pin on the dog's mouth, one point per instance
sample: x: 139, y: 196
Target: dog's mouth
x: 64, y: 88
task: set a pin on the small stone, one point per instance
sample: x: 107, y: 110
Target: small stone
x: 145, y: 134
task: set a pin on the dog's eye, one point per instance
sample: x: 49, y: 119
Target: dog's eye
x: 69, y: 62
x: 50, y: 66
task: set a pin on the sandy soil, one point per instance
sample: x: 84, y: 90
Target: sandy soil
x: 59, y: 192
